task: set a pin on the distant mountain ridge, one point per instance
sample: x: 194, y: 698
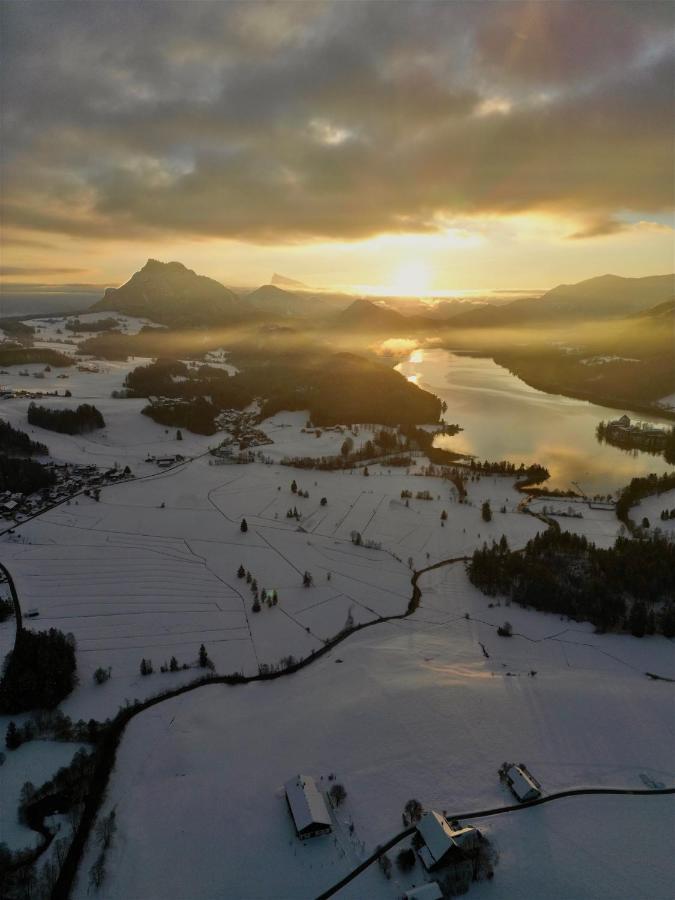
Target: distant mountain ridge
x: 171, y: 294
x: 603, y: 297
x: 272, y: 300
x: 283, y: 281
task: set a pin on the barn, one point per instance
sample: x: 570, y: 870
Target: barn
x: 524, y: 785
x: 442, y: 842
x: 308, y: 808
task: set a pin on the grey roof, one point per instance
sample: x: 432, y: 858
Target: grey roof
x: 436, y: 834
x: 306, y: 802
x: 522, y: 784
x: 439, y: 836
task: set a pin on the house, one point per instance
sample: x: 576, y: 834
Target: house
x: 429, y: 891
x: 442, y: 842
x: 308, y: 808
x: 523, y: 784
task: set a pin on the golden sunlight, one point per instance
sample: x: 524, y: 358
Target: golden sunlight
x: 411, y: 279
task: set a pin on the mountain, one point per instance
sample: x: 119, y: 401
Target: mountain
x: 610, y: 295
x: 663, y: 312
x: 604, y: 297
x: 284, y: 282
x: 172, y: 294
x: 363, y: 315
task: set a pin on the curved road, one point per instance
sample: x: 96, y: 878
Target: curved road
x: 482, y: 814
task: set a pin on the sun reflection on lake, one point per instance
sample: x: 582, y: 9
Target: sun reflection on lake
x: 504, y: 418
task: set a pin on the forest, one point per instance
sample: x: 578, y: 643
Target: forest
x: 39, y: 672
x: 23, y: 475
x: 24, y: 356
x: 639, y: 488
x: 629, y: 587
x: 338, y: 389
x: 15, y: 441
x: 66, y: 421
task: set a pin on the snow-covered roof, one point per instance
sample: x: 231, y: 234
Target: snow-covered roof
x: 430, y: 891
x: 464, y: 836
x: 523, y: 786
x: 307, y: 804
x: 436, y: 834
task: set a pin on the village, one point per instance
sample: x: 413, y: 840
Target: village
x: 70, y: 481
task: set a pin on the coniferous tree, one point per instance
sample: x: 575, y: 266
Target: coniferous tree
x: 39, y: 672
x: 637, y: 620
x: 13, y: 737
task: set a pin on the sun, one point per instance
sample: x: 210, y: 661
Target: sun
x: 411, y: 279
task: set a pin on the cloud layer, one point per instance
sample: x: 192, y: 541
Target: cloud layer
x: 299, y: 121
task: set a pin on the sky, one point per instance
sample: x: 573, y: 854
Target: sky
x: 412, y: 147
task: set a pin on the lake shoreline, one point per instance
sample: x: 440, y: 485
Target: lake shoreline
x: 506, y: 417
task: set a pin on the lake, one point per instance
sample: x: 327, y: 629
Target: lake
x: 504, y: 418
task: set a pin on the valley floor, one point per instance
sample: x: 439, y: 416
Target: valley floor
x: 407, y: 709
x: 428, y: 706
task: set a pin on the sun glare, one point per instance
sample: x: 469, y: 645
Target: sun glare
x: 411, y: 279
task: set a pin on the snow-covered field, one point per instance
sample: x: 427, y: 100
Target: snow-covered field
x: 52, y: 328
x: 414, y: 709
x: 36, y: 762
x: 667, y: 402
x: 151, y: 569
x: 652, y: 507
x: 128, y: 437
x: 427, y: 707
x: 600, y: 526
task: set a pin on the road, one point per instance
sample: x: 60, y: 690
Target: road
x: 482, y: 814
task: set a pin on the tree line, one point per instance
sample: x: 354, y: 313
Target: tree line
x: 13, y: 440
x: 39, y: 672
x: 639, y: 488
x: 66, y: 421
x: 24, y: 476
x: 630, y: 586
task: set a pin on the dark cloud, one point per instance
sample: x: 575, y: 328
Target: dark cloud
x: 14, y: 271
x: 293, y: 121
x: 599, y: 228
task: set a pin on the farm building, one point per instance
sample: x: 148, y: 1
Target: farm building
x: 523, y: 784
x: 307, y: 806
x: 429, y: 891
x: 442, y: 842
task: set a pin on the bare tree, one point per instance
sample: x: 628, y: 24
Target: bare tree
x: 337, y: 794
x: 97, y: 872
x: 412, y: 811
x: 106, y: 829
